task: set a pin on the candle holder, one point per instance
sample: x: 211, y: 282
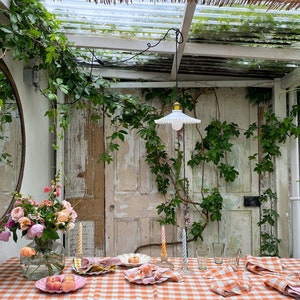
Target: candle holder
x: 78, y: 255
x: 164, y: 263
x: 185, y: 269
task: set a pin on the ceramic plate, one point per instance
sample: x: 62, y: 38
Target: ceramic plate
x: 143, y: 258
x: 79, y: 281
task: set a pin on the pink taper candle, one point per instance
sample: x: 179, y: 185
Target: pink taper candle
x: 163, y: 242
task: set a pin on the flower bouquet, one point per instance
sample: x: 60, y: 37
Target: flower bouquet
x: 40, y: 222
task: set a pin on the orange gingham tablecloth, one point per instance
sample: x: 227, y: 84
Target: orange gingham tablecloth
x: 114, y: 286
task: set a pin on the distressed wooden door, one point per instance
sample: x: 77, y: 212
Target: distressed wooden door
x: 84, y: 182
x: 132, y: 197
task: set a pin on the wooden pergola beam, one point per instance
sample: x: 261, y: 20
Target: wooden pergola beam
x: 270, y: 4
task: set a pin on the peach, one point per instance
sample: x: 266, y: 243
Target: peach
x: 68, y: 285
x: 133, y: 259
x: 27, y: 252
x: 69, y: 277
x: 53, y: 283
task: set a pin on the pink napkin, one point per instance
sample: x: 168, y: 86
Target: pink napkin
x: 151, y: 274
x: 260, y: 265
x: 87, y: 262
x: 228, y: 282
x: 284, y: 285
x: 95, y: 264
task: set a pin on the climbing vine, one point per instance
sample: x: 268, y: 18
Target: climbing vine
x: 33, y: 35
x: 271, y: 135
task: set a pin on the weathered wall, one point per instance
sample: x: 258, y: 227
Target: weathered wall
x: 39, y: 163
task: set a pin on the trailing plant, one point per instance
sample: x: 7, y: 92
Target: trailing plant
x: 271, y: 135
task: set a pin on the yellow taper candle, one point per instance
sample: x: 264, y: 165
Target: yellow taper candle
x: 79, y: 240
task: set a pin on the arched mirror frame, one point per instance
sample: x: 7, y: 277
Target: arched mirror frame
x: 5, y: 70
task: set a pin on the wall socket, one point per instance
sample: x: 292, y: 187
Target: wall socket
x: 251, y: 201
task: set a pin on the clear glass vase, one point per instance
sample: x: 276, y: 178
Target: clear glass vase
x: 48, y: 260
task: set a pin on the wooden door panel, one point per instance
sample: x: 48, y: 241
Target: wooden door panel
x: 84, y: 186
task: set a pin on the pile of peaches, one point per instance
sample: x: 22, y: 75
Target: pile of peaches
x: 61, y: 283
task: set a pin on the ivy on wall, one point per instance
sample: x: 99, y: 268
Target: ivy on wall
x: 33, y: 35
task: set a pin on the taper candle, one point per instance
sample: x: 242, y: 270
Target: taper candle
x: 79, y: 240
x: 184, y: 256
x: 163, y: 242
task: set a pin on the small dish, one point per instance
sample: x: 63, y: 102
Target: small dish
x: 142, y: 259
x: 41, y: 284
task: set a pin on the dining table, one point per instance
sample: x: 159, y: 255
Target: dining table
x: 113, y: 285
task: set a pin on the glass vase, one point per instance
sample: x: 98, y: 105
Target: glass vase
x: 48, y: 259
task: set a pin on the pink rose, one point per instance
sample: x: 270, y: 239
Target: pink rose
x: 17, y: 213
x: 74, y: 215
x: 47, y: 189
x: 72, y: 212
x: 63, y: 216
x: 67, y: 205
x: 35, y: 230
x: 24, y: 223
x: 4, y: 236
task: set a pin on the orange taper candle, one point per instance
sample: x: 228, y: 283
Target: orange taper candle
x: 163, y: 242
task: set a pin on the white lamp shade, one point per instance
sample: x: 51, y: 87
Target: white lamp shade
x: 177, y: 118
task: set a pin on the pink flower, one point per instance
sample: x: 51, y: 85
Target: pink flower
x: 47, y: 189
x: 17, y: 202
x: 35, y: 230
x: 32, y: 202
x: 4, y: 236
x: 69, y: 207
x: 24, y: 223
x: 46, y: 203
x: 63, y: 216
x: 17, y: 213
x: 10, y: 223
x: 57, y: 192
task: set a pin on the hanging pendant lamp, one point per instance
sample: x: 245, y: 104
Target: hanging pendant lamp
x: 177, y: 118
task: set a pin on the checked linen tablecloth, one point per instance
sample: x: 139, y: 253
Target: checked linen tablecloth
x: 113, y: 285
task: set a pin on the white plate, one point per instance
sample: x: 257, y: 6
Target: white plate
x: 143, y: 258
x: 41, y: 284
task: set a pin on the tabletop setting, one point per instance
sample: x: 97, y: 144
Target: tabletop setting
x: 139, y: 276
x: 42, y: 270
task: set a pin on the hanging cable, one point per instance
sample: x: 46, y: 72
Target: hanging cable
x: 179, y: 40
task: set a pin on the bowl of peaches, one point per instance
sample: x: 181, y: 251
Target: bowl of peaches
x: 60, y: 283
x: 133, y: 259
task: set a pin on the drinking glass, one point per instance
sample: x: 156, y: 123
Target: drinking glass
x: 218, y: 250
x: 234, y: 257
x: 202, y: 254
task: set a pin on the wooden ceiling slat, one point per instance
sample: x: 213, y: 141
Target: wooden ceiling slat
x: 271, y: 4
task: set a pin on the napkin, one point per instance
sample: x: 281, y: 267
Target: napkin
x: 151, y: 274
x: 228, y: 282
x: 260, y: 265
x: 285, y: 286
x: 95, y: 264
